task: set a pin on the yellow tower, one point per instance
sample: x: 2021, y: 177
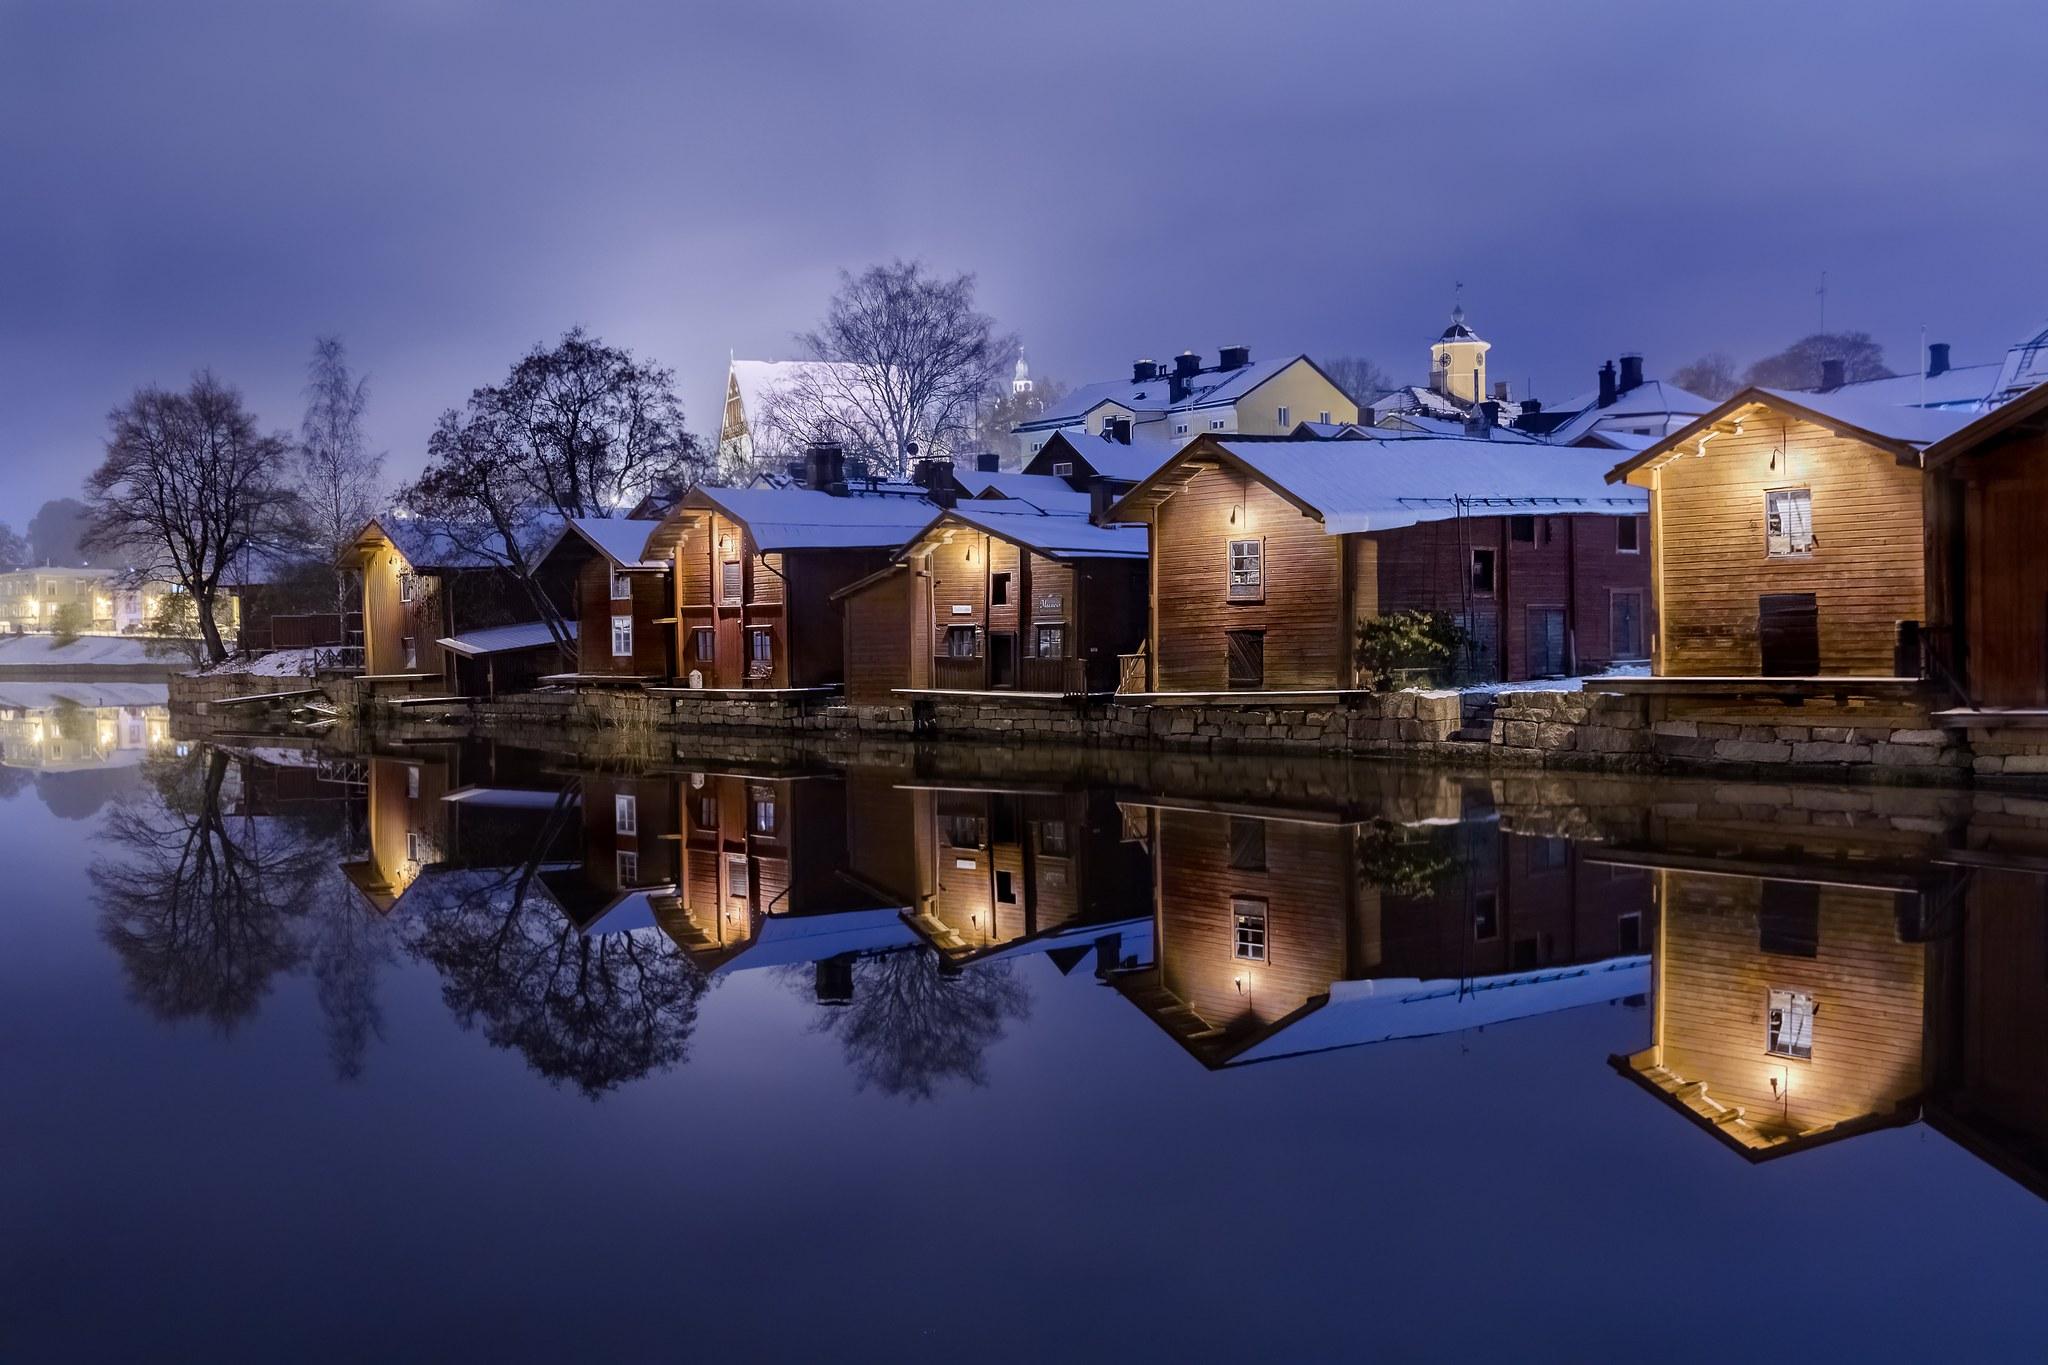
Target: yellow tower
x: 1457, y: 362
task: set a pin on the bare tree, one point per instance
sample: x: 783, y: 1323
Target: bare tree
x: 1798, y: 366
x: 1361, y: 379
x: 908, y: 363
x: 912, y: 1026
x: 579, y: 430
x: 188, y: 487
x: 1711, y: 376
x: 338, y: 476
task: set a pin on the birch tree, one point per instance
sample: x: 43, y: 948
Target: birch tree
x: 338, y: 476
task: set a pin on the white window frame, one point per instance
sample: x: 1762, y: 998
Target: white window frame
x: 1038, y: 633
x: 625, y: 813
x: 1246, y: 581
x: 1181, y: 429
x: 626, y: 866
x: 1788, y: 1025
x: 622, y: 637
x: 622, y: 586
x: 1250, y: 927
x: 1787, y: 542
x: 1280, y: 415
x: 1323, y: 418
x: 411, y: 646
x: 1216, y: 424
x: 1063, y: 469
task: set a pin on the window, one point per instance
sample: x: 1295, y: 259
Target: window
x: 1052, y: 641
x: 1788, y: 522
x: 707, y: 811
x: 622, y: 588
x: 1215, y: 424
x: 405, y: 587
x: 760, y: 654
x: 1482, y: 571
x: 1181, y: 429
x: 622, y: 637
x: 1247, y: 570
x: 1006, y: 888
x: 959, y: 642
x: 964, y: 831
x: 729, y: 582
x: 1280, y: 416
x: 1628, y: 533
x: 1625, y: 624
x: 762, y: 807
x: 1791, y: 1026
x: 736, y: 881
x: 1550, y: 855
x: 1248, y: 845
x: 1052, y: 838
x: 412, y: 784
x: 999, y: 590
x: 1485, y: 917
x: 1522, y: 530
x: 628, y: 867
x: 625, y: 814
x: 1063, y: 470
x: 703, y: 646
x: 1628, y: 932
x: 1248, y: 921
x: 412, y: 652
x: 1323, y: 417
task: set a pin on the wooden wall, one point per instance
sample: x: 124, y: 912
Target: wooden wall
x: 1993, y: 565
x: 885, y: 637
x: 649, y: 603
x: 1714, y: 978
x: 1307, y: 632
x: 1708, y: 528
x: 1994, y: 1071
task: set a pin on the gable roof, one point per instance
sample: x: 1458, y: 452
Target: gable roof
x: 430, y: 544
x: 621, y: 540
x: 2029, y: 406
x: 806, y: 519
x: 1650, y: 401
x: 1054, y: 536
x: 503, y: 639
x: 1045, y: 492
x: 1959, y: 386
x: 1207, y: 389
x: 1378, y: 485
x: 1902, y: 432
x: 1113, y: 459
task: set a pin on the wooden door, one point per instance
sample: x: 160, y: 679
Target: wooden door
x: 1002, y: 659
x: 1788, y: 634
x: 1546, y: 642
x: 1247, y: 659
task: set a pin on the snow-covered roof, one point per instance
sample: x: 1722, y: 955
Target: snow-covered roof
x: 430, y: 544
x: 2025, y: 367
x: 1987, y: 425
x: 785, y: 940
x: 1962, y: 386
x: 1903, y: 431
x: 501, y: 639
x: 1652, y: 401
x: 1208, y: 388
x: 1377, y: 485
x: 806, y: 519
x: 620, y: 539
x: 1043, y: 491
x: 1413, y: 398
x: 1113, y: 459
x: 1056, y: 536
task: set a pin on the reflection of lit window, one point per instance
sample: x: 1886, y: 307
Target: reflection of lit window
x: 629, y: 867
x: 1628, y: 933
x: 622, y: 637
x: 412, y: 846
x: 707, y: 811
x: 1249, y: 919
x: 625, y: 814
x: 763, y: 811
x: 622, y: 588
x: 736, y: 882
x: 1788, y: 521
x: 412, y: 784
x: 1052, y: 838
x: 1791, y: 1028
x: 1486, y: 916
x: 1006, y: 888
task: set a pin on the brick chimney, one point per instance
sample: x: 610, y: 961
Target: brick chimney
x: 1631, y: 373
x: 1607, y: 393
x: 1831, y: 376
x: 1937, y: 358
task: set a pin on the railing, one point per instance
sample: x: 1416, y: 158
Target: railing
x: 1930, y: 654
x: 965, y: 675
x: 1130, y: 673
x: 338, y: 659
x: 1068, y: 677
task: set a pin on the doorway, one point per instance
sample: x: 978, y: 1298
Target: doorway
x: 1002, y: 659
x: 1546, y: 642
x: 1788, y: 634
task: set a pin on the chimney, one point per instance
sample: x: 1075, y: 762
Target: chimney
x: 1233, y: 357
x: 1631, y: 373
x: 1118, y: 429
x: 988, y: 462
x: 832, y: 980
x: 1144, y: 370
x: 1500, y: 390
x: 1831, y: 376
x: 1937, y: 358
x: 1489, y: 418
x: 935, y: 477
x: 825, y: 468
x: 1607, y: 394
x: 1101, y: 493
x: 1531, y: 406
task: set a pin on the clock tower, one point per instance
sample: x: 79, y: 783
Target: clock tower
x: 1457, y: 362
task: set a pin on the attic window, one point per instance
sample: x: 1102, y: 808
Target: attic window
x: 622, y: 588
x: 1247, y: 570
x: 1482, y: 571
x: 1063, y: 470
x: 1522, y: 530
x: 1627, y: 536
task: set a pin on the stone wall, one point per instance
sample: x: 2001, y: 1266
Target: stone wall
x: 188, y: 690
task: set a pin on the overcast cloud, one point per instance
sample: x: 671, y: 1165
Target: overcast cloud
x: 446, y: 182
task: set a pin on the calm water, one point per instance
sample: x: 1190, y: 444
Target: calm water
x: 454, y: 1052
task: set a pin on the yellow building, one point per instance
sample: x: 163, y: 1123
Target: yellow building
x: 1164, y: 406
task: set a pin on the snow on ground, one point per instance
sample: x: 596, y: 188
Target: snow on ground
x: 43, y: 651
x: 279, y: 663
x: 1541, y: 684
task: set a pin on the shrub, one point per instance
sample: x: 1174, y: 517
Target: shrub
x: 69, y: 622
x: 1428, y: 642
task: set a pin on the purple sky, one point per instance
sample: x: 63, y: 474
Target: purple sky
x: 446, y: 182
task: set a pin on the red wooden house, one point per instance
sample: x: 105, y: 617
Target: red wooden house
x: 624, y: 601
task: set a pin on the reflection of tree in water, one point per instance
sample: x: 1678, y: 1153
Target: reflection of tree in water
x: 911, y: 1028
x: 597, y: 1010
x: 202, y: 909
x: 348, y: 948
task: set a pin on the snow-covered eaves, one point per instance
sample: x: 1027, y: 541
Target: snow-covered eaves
x: 502, y: 639
x: 621, y: 540
x: 1963, y: 387
x: 2028, y: 407
x: 1042, y: 491
x: 430, y: 545
x: 1898, y: 431
x: 1055, y: 536
x: 1114, y: 459
x: 1207, y: 389
x: 1652, y: 402
x: 1380, y: 485
x: 785, y: 940
x: 780, y: 519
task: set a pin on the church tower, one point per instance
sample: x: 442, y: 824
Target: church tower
x: 1020, y: 381
x: 1457, y: 362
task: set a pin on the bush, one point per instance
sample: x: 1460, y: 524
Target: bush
x: 1428, y: 642
x: 69, y: 622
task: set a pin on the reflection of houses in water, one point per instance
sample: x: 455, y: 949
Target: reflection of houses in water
x: 1001, y: 871
x: 1277, y: 935
x: 70, y: 727
x: 404, y: 826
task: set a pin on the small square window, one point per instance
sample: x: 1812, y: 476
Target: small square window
x: 999, y: 590
x: 965, y: 831
x: 622, y: 588
x: 1215, y: 424
x: 707, y: 811
x: 625, y: 814
x: 960, y: 642
x: 1628, y: 536
x: 1180, y: 429
x: 1482, y: 571
x: 703, y: 646
x: 1052, y: 838
x: 763, y: 808
x: 1791, y: 1025
x: 1248, y: 922
x: 1788, y: 522
x: 628, y: 867
x: 760, y: 653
